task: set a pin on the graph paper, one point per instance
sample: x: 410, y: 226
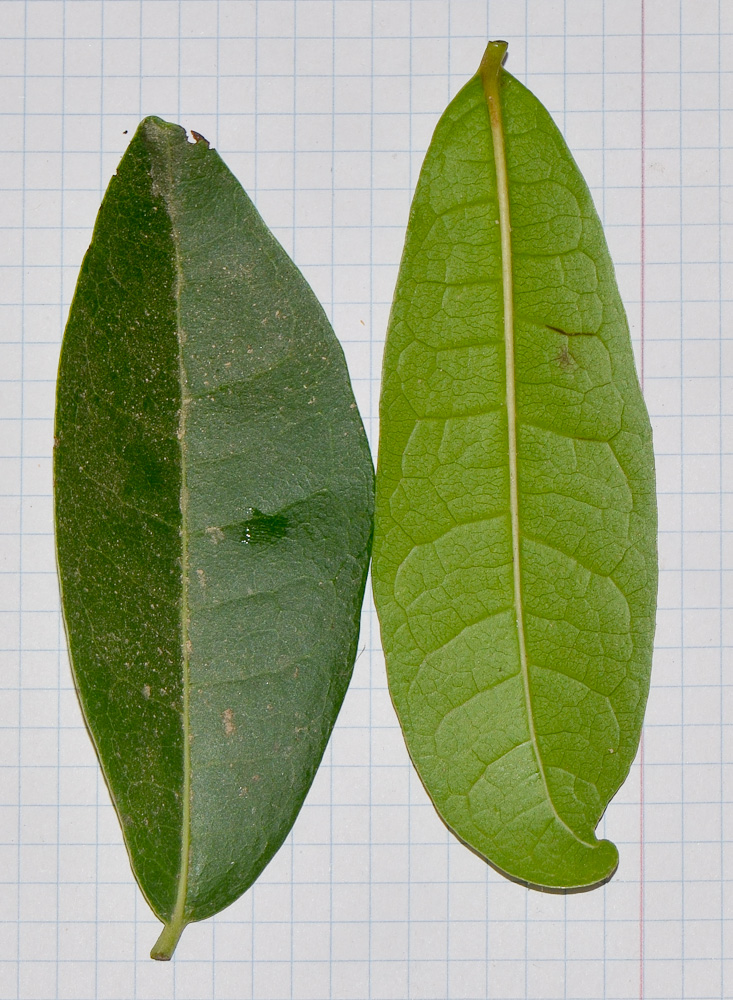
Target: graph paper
x: 323, y: 109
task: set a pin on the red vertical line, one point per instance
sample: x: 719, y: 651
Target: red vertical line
x: 99, y: 797
x: 294, y: 221
x: 446, y: 834
x: 334, y: 45
x: 643, y: 190
x: 140, y: 63
x: 255, y: 186
x: 565, y: 132
x: 370, y: 617
x: 526, y: 895
x: 604, y: 177
x: 217, y: 140
x: 487, y: 935
x: 411, y: 188
x: 684, y: 518
x: 721, y: 521
x: 21, y: 490
x: 642, y: 309
x: 186, y: 793
x: 59, y: 627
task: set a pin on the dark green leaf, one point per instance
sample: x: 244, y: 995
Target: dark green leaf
x: 214, y: 514
x: 515, y: 538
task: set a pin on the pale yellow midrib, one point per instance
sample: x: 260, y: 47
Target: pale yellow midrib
x: 490, y: 80
x: 177, y: 922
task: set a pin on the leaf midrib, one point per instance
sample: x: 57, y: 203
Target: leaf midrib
x: 489, y: 71
x: 173, y: 929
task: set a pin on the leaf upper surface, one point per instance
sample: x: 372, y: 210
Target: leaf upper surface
x: 214, y: 515
x: 515, y: 537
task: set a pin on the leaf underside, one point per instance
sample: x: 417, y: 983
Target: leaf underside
x: 517, y: 620
x: 213, y: 512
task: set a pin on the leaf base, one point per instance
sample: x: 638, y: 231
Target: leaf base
x: 166, y: 944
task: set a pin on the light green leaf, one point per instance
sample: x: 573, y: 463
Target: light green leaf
x: 515, y: 537
x: 213, y: 523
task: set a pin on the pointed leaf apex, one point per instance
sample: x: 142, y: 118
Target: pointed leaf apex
x: 154, y: 128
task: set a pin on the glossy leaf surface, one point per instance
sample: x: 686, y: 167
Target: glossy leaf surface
x: 214, y: 515
x: 515, y: 537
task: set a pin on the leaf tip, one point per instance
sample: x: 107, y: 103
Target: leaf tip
x: 155, y: 128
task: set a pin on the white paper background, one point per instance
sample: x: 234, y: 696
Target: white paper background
x: 323, y: 109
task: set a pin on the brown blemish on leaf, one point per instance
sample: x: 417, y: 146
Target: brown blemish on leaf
x: 570, y: 333
x: 566, y: 361
x: 227, y: 717
x: 215, y: 534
